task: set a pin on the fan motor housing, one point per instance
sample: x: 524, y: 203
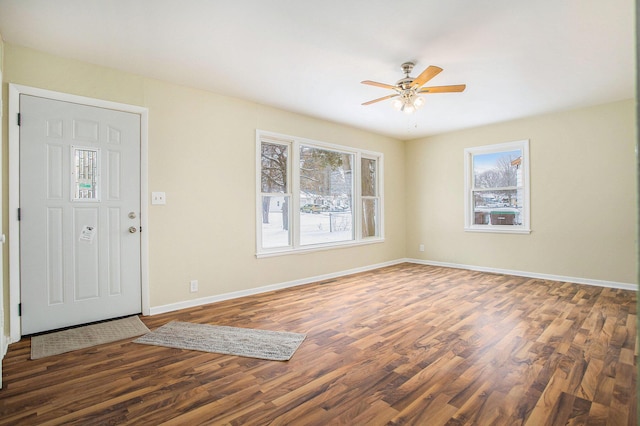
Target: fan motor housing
x: 407, y: 67
x: 404, y: 83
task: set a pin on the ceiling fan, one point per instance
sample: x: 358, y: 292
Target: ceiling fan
x: 408, y: 89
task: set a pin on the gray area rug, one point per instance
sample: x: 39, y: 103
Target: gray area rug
x: 84, y: 337
x: 253, y: 343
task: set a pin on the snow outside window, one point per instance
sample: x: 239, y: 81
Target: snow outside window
x: 314, y: 195
x: 497, y: 188
x: 326, y: 195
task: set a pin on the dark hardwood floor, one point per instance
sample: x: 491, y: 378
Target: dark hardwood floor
x: 407, y: 344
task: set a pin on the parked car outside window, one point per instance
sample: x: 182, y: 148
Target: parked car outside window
x: 312, y: 208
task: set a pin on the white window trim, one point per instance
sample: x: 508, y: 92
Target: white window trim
x: 294, y: 191
x: 469, y: 226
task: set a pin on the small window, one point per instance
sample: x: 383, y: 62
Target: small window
x: 85, y: 175
x: 497, y: 188
x: 275, y: 198
x: 370, y: 197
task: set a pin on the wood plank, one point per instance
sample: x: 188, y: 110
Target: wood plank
x: 407, y: 344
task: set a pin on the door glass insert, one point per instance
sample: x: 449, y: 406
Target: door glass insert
x: 85, y: 174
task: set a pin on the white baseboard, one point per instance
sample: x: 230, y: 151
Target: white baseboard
x: 576, y: 280
x: 252, y: 291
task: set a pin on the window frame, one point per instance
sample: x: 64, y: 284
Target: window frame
x: 286, y: 194
x: 469, y: 153
x: 293, y: 177
x: 377, y: 197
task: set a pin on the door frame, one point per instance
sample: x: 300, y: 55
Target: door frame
x: 15, y: 90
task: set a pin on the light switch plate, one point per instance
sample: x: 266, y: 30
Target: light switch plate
x: 158, y: 198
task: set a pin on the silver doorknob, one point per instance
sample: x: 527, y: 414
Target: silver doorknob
x: 133, y: 229
x: 132, y: 215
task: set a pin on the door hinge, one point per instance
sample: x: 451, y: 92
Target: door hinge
x: 19, y: 309
x: 18, y: 119
x: 19, y: 214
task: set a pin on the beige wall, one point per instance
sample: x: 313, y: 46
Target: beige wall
x: 583, y: 196
x: 202, y: 154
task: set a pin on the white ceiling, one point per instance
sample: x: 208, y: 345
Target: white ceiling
x: 517, y: 57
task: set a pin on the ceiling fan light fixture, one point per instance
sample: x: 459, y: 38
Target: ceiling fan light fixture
x: 408, y: 108
x: 408, y: 102
x: 397, y: 104
x: 408, y: 89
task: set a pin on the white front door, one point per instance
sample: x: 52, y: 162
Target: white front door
x: 79, y: 214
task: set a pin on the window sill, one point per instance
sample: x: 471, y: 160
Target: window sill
x: 317, y: 247
x: 499, y: 229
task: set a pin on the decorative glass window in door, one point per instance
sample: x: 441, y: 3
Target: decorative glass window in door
x: 85, y: 174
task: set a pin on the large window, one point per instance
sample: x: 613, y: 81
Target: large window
x: 497, y: 188
x: 314, y: 195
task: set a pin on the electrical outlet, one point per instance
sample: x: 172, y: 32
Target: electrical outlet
x: 421, y: 248
x: 158, y: 198
x: 194, y: 286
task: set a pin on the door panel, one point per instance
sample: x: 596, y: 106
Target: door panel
x: 79, y: 184
x: 55, y: 247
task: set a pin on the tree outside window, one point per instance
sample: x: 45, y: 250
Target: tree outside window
x: 275, y: 199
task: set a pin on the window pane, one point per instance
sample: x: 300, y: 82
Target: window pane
x: 85, y: 184
x: 369, y: 217
x: 325, y: 227
x: 498, y: 207
x: 274, y: 167
x: 496, y: 170
x: 326, y: 187
x: 368, y: 177
x: 276, y: 212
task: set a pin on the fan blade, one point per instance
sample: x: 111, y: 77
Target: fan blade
x: 380, y: 99
x: 375, y: 83
x: 443, y: 89
x: 426, y: 75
